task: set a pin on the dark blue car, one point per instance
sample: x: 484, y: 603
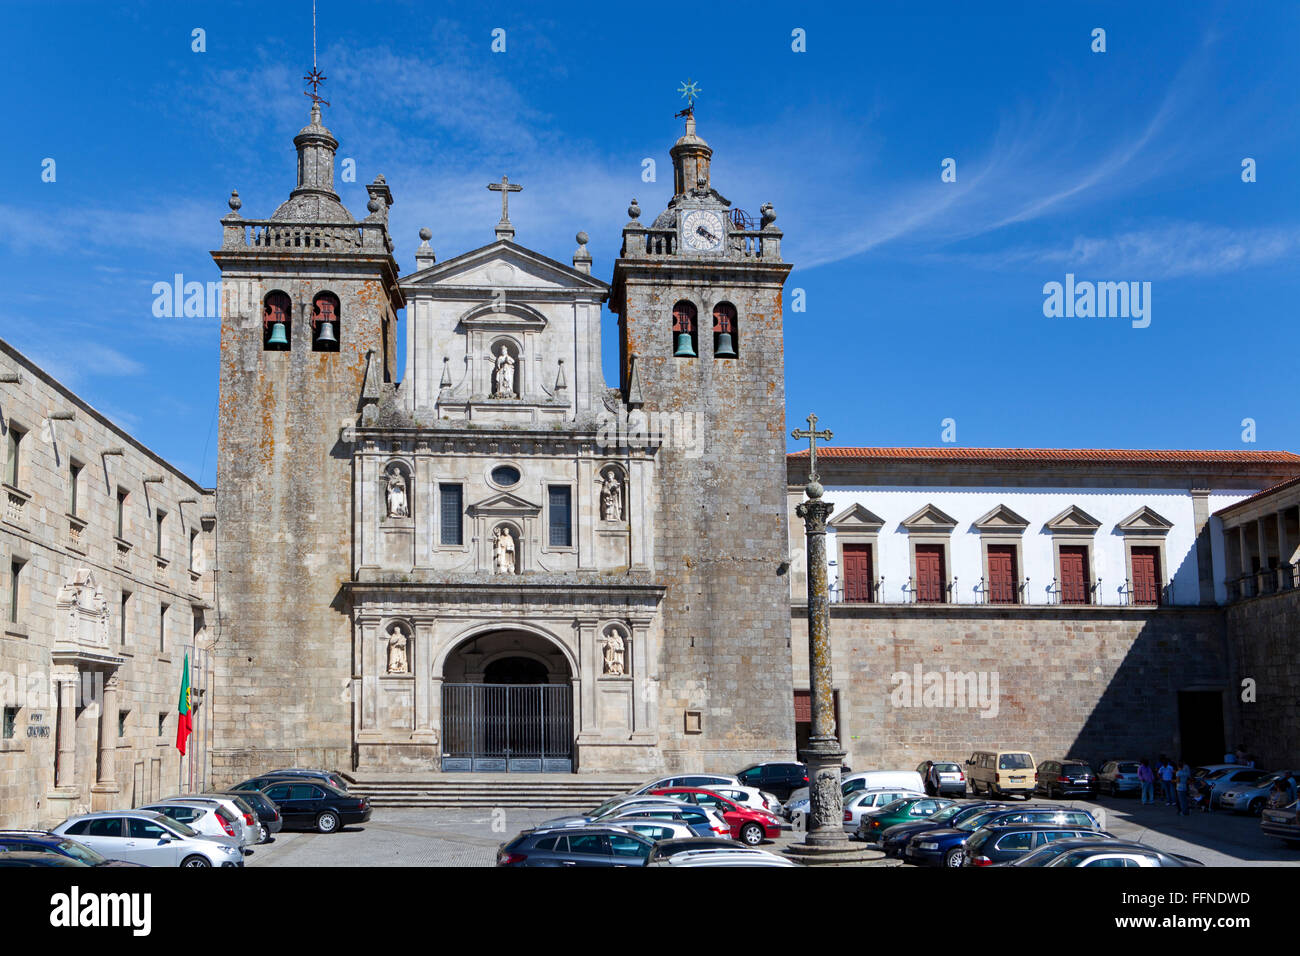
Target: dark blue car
x: 947, y: 846
x: 41, y: 841
x: 576, y: 846
x: 894, y: 839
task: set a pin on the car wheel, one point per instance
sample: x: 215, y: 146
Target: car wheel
x: 196, y: 861
x: 327, y: 822
x: 955, y: 857
x: 1256, y: 806
x: 262, y: 833
x: 751, y: 834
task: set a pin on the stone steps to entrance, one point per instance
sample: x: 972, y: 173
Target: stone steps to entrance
x: 489, y: 790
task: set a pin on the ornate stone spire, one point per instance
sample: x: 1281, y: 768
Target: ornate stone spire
x: 314, y: 198
x: 691, y: 156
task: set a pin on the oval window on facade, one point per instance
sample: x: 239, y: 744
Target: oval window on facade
x: 505, y: 475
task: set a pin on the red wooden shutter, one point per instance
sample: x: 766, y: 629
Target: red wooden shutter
x: 1074, y: 574
x: 1002, y: 574
x: 929, y: 573
x: 1146, y: 575
x: 802, y: 706
x: 857, y: 572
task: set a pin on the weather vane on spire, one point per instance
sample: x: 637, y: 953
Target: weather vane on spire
x: 690, y: 91
x: 315, y: 78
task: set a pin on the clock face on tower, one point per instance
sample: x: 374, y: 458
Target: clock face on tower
x: 702, y: 230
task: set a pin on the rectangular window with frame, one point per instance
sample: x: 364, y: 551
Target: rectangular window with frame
x: 13, y: 446
x: 194, y: 537
x: 162, y: 627
x: 121, y: 621
x: 560, y: 501
x: 451, y: 515
x: 123, y: 716
x: 10, y: 723
x: 158, y: 540
x: 162, y: 723
x: 931, y: 586
x: 74, y: 487
x: 1145, y: 562
x: 15, y: 589
x: 857, y: 574
x: 122, y: 496
x: 1074, y: 578
x: 1003, y: 586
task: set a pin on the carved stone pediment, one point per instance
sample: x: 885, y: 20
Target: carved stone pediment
x: 930, y: 518
x: 856, y: 518
x: 504, y: 504
x: 503, y: 265
x: 1145, y: 521
x: 1001, y: 520
x: 82, y: 613
x: 1073, y: 520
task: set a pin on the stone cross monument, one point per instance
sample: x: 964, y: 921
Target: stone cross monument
x: 825, y: 840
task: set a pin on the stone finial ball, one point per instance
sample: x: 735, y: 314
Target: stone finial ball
x: 814, y: 489
x: 373, y: 205
x: 426, y: 233
x: 234, y: 201
x: 634, y: 210
x: 582, y: 238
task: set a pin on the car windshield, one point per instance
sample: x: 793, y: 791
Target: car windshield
x: 605, y: 807
x: 1015, y: 762
x: 180, y: 828
x: 894, y: 805
x: 1127, y: 768
x: 947, y: 768
x: 83, y: 853
x: 1041, y: 857
x: 946, y: 814
x: 1075, y: 768
x: 978, y: 820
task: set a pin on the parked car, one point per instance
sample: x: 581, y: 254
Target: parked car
x: 268, y: 814
x: 687, y: 780
x: 262, y: 781
x: 654, y: 828
x: 902, y: 810
x: 750, y: 827
x: 668, y: 848
x: 1063, y: 778
x: 1221, y: 781
x: 1002, y: 843
x: 908, y: 781
x: 139, y: 836
x: 780, y: 778
x: 210, y: 820
x: 42, y: 841
x: 1114, y: 853
x: 942, y: 777
x: 947, y: 846
x: 864, y: 802
x: 25, y: 858
x: 893, y: 840
x: 1251, y: 797
x: 728, y: 858
x: 703, y: 821
x: 241, y: 818
x: 1283, y: 823
x: 1046, y: 855
x: 316, y: 806
x: 328, y: 777
x: 998, y: 772
x: 576, y: 846
x: 616, y: 806
x: 750, y: 797
x: 1119, y: 776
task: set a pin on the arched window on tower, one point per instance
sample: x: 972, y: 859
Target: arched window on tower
x: 325, y: 329
x: 277, y: 322
x: 725, y: 333
x: 685, y: 344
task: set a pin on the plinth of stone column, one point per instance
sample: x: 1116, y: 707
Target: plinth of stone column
x: 826, y: 842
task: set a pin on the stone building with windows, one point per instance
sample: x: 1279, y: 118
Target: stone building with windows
x: 104, y: 555
x: 1081, y: 592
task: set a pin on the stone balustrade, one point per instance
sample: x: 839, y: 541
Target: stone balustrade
x: 308, y: 237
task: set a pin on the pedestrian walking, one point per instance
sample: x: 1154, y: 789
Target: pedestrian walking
x: 1167, y: 781
x: 1147, y: 777
x: 1184, y: 781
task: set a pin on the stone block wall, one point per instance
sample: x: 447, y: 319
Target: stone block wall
x: 1264, y: 639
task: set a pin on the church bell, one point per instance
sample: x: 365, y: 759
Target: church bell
x: 725, y: 349
x: 277, y: 335
x: 326, y: 334
x: 684, y: 347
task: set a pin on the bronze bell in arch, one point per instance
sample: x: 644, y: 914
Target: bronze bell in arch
x: 325, y: 335
x: 684, y: 349
x: 725, y: 349
x: 277, y: 335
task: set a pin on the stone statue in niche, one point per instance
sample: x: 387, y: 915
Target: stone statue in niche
x: 503, y: 551
x: 397, y: 661
x: 397, y: 504
x: 503, y: 377
x: 614, y: 654
x: 611, y: 497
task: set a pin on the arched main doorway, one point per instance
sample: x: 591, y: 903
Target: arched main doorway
x: 507, y: 705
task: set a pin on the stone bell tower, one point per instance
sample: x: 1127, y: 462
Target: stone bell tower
x: 307, y: 346
x: 698, y: 295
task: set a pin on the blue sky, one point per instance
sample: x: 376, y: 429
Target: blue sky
x: 924, y: 298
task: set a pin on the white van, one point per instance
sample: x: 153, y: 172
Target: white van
x: 876, y: 779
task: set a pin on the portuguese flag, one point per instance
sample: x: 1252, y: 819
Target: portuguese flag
x: 183, y: 725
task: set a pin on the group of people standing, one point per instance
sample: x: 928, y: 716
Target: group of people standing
x: 1181, y: 790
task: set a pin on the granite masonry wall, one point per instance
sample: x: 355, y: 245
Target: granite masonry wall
x: 1264, y: 638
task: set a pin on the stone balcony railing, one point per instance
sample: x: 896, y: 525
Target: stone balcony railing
x: 304, y: 237
x: 642, y: 243
x: 15, y: 505
x: 76, y: 529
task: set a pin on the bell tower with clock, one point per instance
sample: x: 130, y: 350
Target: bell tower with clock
x: 698, y: 293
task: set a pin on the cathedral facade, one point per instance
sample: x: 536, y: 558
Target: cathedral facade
x: 500, y: 562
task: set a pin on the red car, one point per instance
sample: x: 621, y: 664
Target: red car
x: 749, y: 826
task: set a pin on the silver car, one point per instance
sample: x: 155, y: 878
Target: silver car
x: 245, y: 832
x: 652, y: 828
x: 139, y: 836
x: 705, y: 781
x: 610, y: 808
x: 210, y: 821
x: 864, y: 802
x: 1118, y: 776
x: 1251, y: 797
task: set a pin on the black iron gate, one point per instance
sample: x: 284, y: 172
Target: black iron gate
x: 520, y: 728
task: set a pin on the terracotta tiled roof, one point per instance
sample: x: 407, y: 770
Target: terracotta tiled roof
x: 1280, y: 486
x: 1091, y: 455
